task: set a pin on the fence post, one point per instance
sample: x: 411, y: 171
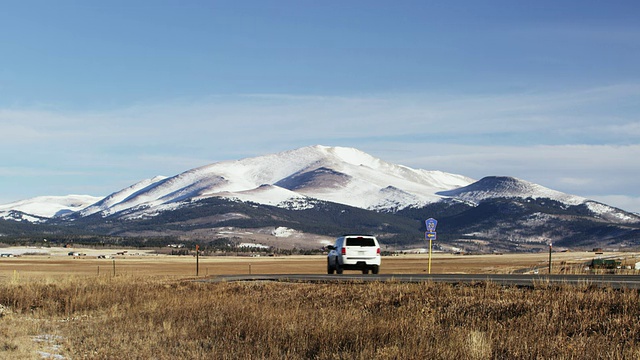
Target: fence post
x: 550, y: 247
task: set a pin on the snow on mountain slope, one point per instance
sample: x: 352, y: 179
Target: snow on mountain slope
x: 505, y: 186
x: 350, y: 176
x: 611, y: 213
x: 344, y: 175
x: 267, y: 194
x: 294, y: 179
x: 49, y: 206
x: 107, y: 204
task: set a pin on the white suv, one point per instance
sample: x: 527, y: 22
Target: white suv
x: 354, y: 252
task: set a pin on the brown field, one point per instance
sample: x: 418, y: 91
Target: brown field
x: 60, y: 307
x: 35, y: 267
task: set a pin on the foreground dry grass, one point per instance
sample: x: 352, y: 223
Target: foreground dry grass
x: 159, y: 318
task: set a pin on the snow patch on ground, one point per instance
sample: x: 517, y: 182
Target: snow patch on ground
x: 326, y: 242
x: 51, y: 344
x: 252, y: 245
x: 282, y: 232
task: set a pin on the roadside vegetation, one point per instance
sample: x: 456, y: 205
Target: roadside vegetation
x: 143, y: 318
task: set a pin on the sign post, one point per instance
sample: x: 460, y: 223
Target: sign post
x: 430, y: 235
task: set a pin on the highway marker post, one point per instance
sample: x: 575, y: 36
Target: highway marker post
x: 430, y: 235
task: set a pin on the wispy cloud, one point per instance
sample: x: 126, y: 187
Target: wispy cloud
x: 270, y: 116
x: 581, y: 169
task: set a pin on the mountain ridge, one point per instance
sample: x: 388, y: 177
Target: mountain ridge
x: 342, y: 175
x: 48, y: 206
x: 329, y: 190
x: 508, y: 186
x: 337, y: 174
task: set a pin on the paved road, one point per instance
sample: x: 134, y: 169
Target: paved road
x: 613, y: 281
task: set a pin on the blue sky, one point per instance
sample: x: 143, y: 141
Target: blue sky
x: 97, y: 95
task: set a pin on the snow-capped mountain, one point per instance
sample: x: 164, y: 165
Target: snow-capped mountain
x: 506, y: 186
x: 295, y: 179
x: 510, y: 187
x: 108, y: 205
x: 330, y: 190
x: 342, y: 175
x: 45, y: 207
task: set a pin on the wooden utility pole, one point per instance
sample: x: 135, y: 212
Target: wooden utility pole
x: 197, y: 259
x: 550, y: 248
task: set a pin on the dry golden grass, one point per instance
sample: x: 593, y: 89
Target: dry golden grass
x: 158, y: 318
x: 147, y: 312
x: 36, y: 267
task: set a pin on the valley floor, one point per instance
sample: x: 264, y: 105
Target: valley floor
x: 55, y: 263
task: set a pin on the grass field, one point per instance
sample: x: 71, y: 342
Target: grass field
x: 60, y: 266
x: 61, y: 307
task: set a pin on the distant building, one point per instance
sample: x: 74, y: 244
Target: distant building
x: 605, y: 264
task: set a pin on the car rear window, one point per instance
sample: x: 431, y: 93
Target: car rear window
x: 360, y: 241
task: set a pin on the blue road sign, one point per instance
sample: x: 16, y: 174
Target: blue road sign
x: 431, y: 224
x: 430, y: 235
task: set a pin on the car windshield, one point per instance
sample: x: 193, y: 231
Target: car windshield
x: 360, y: 241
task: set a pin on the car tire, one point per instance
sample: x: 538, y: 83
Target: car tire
x: 338, y: 268
x: 330, y: 269
x: 375, y: 269
x: 365, y: 271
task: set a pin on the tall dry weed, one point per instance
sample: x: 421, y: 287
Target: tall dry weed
x: 105, y: 318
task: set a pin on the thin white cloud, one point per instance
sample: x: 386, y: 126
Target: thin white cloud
x: 631, y: 129
x: 38, y: 172
x: 577, y: 169
x: 264, y: 116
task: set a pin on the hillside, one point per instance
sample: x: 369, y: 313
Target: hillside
x: 326, y: 191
